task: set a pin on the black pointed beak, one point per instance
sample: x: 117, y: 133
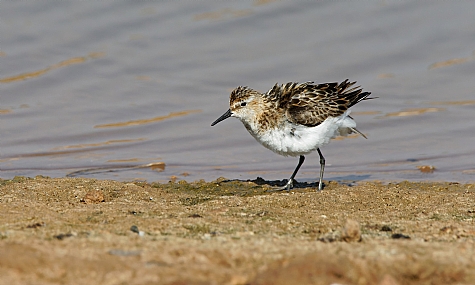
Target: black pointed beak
x: 223, y: 117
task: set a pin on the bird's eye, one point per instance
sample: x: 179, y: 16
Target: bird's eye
x: 243, y: 104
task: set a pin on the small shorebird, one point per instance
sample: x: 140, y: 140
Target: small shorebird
x: 294, y: 119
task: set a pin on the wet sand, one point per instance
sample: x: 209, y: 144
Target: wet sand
x: 86, y: 231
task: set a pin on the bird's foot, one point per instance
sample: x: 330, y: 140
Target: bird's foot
x: 320, y: 186
x: 286, y: 187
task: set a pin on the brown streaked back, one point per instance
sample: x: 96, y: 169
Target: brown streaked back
x: 310, y: 104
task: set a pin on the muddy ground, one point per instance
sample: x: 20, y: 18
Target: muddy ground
x: 86, y: 231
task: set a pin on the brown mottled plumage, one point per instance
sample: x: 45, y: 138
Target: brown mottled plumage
x: 310, y: 104
x: 296, y: 118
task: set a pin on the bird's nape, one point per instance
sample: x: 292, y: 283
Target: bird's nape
x: 223, y: 117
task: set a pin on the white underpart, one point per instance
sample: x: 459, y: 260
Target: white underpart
x: 295, y: 140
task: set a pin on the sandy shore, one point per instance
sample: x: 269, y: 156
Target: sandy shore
x: 86, y: 231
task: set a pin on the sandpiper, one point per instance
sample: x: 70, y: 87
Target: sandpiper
x: 294, y: 119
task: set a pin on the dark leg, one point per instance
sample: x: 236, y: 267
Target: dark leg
x: 290, y: 183
x: 322, y: 167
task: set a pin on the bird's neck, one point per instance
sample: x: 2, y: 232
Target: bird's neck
x: 265, y: 117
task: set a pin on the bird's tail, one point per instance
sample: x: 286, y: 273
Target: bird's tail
x: 353, y: 94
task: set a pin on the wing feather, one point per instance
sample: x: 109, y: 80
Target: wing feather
x: 310, y: 104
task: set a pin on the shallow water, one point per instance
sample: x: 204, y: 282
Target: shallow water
x: 127, y: 90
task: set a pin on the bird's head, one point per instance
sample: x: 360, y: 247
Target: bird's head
x: 243, y: 104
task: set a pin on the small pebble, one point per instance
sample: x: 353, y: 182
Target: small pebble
x: 426, y: 168
x: 135, y: 229
x: 93, y: 197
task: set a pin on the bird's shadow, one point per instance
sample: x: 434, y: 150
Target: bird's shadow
x: 348, y: 180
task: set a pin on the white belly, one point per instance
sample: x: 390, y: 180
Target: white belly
x: 295, y: 140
